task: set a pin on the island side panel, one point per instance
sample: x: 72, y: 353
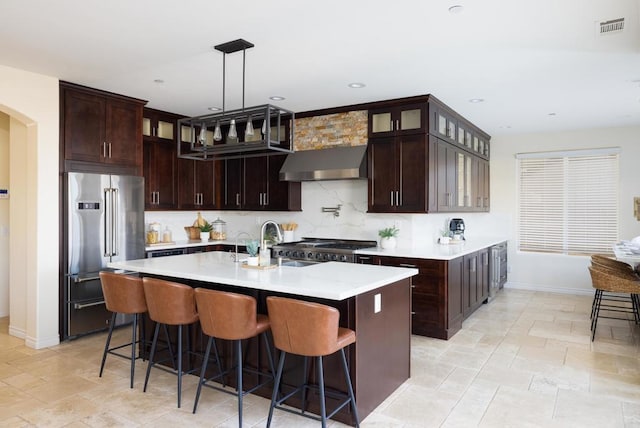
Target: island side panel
x: 383, y: 351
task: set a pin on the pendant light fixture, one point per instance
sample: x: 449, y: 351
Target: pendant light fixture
x: 277, y: 128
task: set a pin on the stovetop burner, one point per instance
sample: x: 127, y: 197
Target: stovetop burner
x: 322, y: 249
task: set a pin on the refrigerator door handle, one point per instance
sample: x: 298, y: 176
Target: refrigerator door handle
x: 114, y: 222
x: 107, y: 222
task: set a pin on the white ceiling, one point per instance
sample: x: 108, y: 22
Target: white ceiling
x: 538, y: 64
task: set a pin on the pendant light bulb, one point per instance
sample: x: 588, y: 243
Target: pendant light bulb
x: 248, y: 132
x: 217, y: 133
x: 264, y: 127
x: 202, y: 138
x: 232, y: 130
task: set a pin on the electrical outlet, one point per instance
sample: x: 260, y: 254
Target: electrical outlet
x: 377, y: 303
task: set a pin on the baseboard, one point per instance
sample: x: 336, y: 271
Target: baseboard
x: 17, y: 332
x: 537, y: 287
x: 36, y: 343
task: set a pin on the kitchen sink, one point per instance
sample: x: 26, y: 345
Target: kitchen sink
x: 297, y: 263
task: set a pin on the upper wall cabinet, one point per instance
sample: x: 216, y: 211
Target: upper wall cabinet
x: 100, y: 131
x: 159, y: 159
x: 423, y: 157
x: 397, y: 120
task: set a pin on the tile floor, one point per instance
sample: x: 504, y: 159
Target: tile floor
x: 524, y: 360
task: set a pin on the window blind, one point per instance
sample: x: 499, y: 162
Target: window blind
x: 568, y: 202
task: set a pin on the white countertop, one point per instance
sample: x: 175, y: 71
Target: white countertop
x: 187, y: 243
x: 437, y: 251
x: 330, y: 280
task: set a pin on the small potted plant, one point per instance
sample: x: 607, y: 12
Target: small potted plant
x: 252, y: 249
x: 205, y: 231
x: 444, y: 237
x: 388, y: 237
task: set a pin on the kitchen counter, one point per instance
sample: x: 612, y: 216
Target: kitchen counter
x: 188, y: 243
x: 436, y: 251
x: 330, y: 280
x: 374, y: 301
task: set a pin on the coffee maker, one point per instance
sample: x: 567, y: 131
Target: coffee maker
x: 456, y: 229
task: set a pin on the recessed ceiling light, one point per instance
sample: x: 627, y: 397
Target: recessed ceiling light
x: 214, y: 108
x: 551, y: 114
x: 457, y: 8
x: 476, y: 100
x: 356, y: 85
x: 158, y: 81
x: 276, y: 98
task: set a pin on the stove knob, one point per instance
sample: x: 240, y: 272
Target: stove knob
x: 343, y: 258
x: 287, y: 253
x: 325, y: 257
x: 334, y: 257
x: 318, y: 256
x: 280, y: 253
x: 309, y: 255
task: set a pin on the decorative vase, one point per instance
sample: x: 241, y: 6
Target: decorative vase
x: 204, y: 236
x: 444, y: 240
x: 288, y: 236
x: 388, y: 243
x: 253, y: 260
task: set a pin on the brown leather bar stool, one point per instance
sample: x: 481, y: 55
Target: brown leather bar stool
x: 231, y: 316
x: 123, y: 294
x: 169, y: 303
x: 311, y: 330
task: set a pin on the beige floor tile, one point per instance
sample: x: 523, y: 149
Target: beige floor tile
x: 525, y: 359
x: 584, y: 409
x: 515, y: 407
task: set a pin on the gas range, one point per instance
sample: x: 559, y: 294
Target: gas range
x: 321, y: 249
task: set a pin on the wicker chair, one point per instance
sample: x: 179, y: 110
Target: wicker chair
x: 607, y: 262
x: 613, y: 280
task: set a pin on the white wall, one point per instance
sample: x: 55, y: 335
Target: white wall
x: 31, y: 100
x: 558, y: 272
x: 4, y: 216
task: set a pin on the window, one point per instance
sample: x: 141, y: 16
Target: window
x: 568, y: 201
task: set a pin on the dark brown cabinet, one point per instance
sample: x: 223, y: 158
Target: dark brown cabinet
x: 196, y: 184
x: 436, y: 298
x: 159, y: 160
x: 100, y: 132
x: 445, y: 292
x: 423, y: 157
x: 475, y: 284
x: 253, y: 183
x: 398, y: 169
x: 397, y: 120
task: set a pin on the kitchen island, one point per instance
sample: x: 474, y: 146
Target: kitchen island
x: 375, y: 301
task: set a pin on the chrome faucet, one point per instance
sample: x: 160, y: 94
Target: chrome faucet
x: 235, y: 258
x: 263, y: 244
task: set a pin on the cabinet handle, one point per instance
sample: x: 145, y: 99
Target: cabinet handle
x: 391, y: 197
x: 413, y: 313
x: 238, y: 199
x: 266, y: 199
x: 391, y: 125
x: 408, y: 265
x: 413, y: 286
x: 397, y: 124
x: 398, y: 201
x: 473, y: 265
x: 109, y: 150
x: 104, y: 149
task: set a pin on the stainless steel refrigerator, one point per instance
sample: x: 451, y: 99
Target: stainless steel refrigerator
x: 104, y: 222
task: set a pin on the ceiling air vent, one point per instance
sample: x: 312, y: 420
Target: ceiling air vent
x: 613, y: 26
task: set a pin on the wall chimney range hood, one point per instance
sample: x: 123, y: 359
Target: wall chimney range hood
x: 337, y: 163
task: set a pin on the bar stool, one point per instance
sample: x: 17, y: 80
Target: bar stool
x: 231, y: 316
x: 169, y: 303
x: 123, y: 294
x: 311, y: 330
